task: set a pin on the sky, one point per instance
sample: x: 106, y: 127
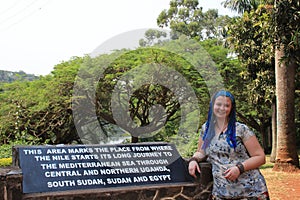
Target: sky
x: 36, y: 35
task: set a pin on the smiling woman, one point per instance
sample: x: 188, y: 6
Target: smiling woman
x: 233, y: 150
x: 222, y: 108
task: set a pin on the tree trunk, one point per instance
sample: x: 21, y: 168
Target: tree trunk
x: 264, y: 136
x: 286, y: 156
x: 134, y: 139
x: 274, y: 134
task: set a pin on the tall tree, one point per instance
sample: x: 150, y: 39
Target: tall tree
x: 254, y: 112
x: 285, y: 28
x: 183, y: 17
x: 187, y: 18
x: 248, y: 35
x: 286, y: 22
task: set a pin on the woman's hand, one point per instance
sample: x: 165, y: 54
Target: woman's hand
x: 232, y: 173
x: 194, y: 168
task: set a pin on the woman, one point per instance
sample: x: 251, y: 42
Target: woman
x: 234, y: 152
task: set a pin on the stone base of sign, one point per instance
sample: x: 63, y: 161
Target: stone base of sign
x: 11, y: 189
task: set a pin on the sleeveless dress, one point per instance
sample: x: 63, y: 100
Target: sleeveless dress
x: 249, y: 184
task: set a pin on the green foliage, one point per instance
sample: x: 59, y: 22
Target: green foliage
x: 5, y: 151
x: 8, y: 76
x: 39, y: 111
x: 285, y: 20
x: 242, y: 6
x: 249, y: 37
x: 150, y: 73
x: 252, y: 35
x: 267, y: 165
x: 144, y: 67
x: 152, y: 37
x: 187, y: 18
x: 184, y: 17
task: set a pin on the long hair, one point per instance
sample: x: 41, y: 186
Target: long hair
x: 209, y: 132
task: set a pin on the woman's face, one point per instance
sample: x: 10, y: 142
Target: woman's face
x: 222, y: 107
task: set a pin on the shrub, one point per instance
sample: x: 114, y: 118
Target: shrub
x: 5, y: 162
x: 5, y: 151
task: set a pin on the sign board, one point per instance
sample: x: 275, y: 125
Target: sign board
x: 73, y: 167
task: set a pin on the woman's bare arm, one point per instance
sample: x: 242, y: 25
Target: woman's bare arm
x: 257, y: 155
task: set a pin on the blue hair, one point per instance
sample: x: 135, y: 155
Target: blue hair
x: 209, y: 132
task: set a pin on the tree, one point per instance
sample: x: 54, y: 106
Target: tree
x: 137, y: 82
x: 241, y: 6
x: 252, y: 105
x: 187, y: 18
x: 286, y: 18
x: 213, y: 25
x: 183, y: 17
x: 8, y: 76
x: 248, y: 35
x: 39, y: 111
x: 131, y: 88
x: 152, y: 37
x: 285, y: 28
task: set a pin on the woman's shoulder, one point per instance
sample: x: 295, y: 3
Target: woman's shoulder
x: 242, y: 130
x: 240, y: 125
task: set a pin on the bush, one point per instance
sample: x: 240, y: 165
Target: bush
x: 5, y: 151
x: 5, y: 155
x: 5, y: 162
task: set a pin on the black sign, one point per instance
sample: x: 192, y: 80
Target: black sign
x: 60, y: 168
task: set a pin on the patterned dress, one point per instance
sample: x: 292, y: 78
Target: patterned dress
x: 249, y: 184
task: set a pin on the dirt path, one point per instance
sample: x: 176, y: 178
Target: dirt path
x: 282, y: 185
